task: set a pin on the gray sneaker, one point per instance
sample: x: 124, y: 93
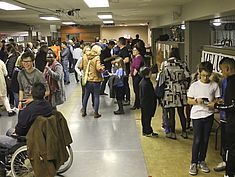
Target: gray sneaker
x: 203, y: 166
x: 193, y: 169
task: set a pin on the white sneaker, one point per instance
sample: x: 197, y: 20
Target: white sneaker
x: 220, y: 167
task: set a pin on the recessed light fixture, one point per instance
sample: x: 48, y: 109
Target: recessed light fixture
x: 183, y: 27
x: 8, y: 6
x: 216, y: 22
x: 49, y: 17
x: 68, y: 23
x: 108, y: 21
x: 97, y: 3
x: 105, y: 15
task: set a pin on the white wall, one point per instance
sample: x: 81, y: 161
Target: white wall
x: 196, y: 9
x: 122, y: 31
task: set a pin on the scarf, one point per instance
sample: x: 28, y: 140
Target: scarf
x: 53, y: 85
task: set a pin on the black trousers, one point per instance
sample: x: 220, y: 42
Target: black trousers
x: 171, y: 113
x: 11, y: 97
x: 76, y: 74
x: 71, y: 64
x: 136, y: 81
x: 127, y: 95
x: 146, y: 122
x: 103, y: 84
x: 223, y: 142
x: 230, y: 146
x: 201, y: 133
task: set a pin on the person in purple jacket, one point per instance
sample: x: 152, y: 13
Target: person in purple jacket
x: 137, y: 63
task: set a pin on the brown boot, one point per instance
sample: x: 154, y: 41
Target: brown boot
x: 97, y: 115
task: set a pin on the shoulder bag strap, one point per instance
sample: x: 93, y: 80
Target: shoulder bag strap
x: 27, y: 78
x: 87, y: 69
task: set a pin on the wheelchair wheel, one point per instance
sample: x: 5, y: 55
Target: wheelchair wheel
x: 20, y: 163
x: 68, y: 163
x: 21, y: 166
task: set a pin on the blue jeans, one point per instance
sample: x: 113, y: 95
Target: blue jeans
x: 16, y: 98
x: 65, y: 64
x: 92, y: 88
x: 201, y: 133
x: 165, y: 121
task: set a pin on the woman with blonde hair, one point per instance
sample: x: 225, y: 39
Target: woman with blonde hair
x: 92, y: 69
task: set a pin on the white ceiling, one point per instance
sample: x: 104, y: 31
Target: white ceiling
x: 124, y: 11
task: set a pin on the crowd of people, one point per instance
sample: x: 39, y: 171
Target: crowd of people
x: 113, y: 62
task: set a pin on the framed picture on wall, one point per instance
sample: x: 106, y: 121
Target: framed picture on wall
x: 73, y: 37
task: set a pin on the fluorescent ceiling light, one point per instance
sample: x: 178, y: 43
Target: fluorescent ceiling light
x: 68, y: 23
x: 105, y: 15
x: 49, y: 17
x: 8, y: 6
x: 97, y: 3
x: 108, y: 21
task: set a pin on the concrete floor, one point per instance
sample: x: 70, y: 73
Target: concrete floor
x: 113, y: 146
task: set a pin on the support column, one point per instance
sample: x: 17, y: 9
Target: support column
x: 30, y: 34
x: 197, y: 34
x: 155, y: 34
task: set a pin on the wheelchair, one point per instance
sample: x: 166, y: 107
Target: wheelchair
x: 16, y: 162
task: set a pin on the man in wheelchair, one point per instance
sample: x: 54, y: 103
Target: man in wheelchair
x: 47, y: 134
x: 38, y: 107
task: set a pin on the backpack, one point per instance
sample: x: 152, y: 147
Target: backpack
x: 159, y: 90
x: 160, y: 87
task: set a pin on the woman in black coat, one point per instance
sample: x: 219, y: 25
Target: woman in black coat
x: 10, y: 64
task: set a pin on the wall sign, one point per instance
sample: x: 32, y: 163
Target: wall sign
x: 214, y: 58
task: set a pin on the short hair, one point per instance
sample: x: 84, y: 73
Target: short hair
x: 77, y: 45
x: 144, y: 71
x: 120, y: 62
x: 175, y: 53
x: 205, y: 66
x: 11, y: 40
x: 228, y: 61
x: 65, y: 43
x: 38, y: 91
x: 122, y: 41
x: 137, y: 36
x: 111, y: 43
x: 28, y: 54
x: 51, y: 53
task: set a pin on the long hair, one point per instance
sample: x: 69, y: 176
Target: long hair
x: 120, y: 63
x: 10, y: 48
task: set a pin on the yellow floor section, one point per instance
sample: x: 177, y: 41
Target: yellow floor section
x: 164, y: 157
x: 171, y: 158
x: 71, y: 102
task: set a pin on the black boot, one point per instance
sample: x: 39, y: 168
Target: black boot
x: 120, y: 108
